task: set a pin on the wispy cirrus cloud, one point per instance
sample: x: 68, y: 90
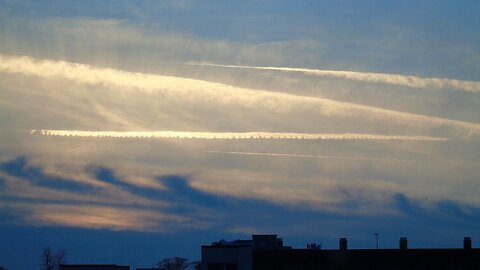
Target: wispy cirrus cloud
x: 199, y: 91
x: 71, y: 82
x: 396, y: 79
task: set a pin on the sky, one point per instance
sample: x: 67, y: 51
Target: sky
x: 131, y: 131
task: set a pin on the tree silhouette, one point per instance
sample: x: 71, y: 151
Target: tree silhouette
x: 47, y: 259
x: 196, y: 265
x: 50, y: 260
x: 60, y: 258
x: 175, y: 263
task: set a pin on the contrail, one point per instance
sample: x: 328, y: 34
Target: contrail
x: 231, y: 135
x: 396, y: 79
x: 436, y: 159
x: 303, y: 156
x: 198, y: 91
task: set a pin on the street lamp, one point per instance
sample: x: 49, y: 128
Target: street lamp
x: 376, y: 237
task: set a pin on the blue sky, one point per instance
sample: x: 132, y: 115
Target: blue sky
x: 131, y: 131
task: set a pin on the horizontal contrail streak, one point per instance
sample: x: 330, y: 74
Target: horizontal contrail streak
x: 302, y: 156
x: 396, y: 79
x: 198, y: 91
x: 328, y: 156
x: 231, y: 135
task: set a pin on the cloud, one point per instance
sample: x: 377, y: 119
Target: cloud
x: 42, y: 199
x: 231, y: 135
x: 204, y: 92
x: 332, y: 157
x: 99, y: 217
x: 396, y: 79
x: 24, y: 181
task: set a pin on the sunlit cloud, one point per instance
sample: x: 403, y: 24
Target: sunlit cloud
x: 99, y: 217
x: 192, y: 90
x: 231, y: 135
x: 329, y: 185
x: 396, y: 79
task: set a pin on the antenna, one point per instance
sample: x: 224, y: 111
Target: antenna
x: 376, y: 238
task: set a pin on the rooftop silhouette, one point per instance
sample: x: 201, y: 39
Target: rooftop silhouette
x: 267, y: 252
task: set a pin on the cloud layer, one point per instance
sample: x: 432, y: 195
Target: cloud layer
x: 208, y: 115
x: 194, y: 91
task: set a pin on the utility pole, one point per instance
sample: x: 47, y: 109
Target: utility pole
x: 376, y: 237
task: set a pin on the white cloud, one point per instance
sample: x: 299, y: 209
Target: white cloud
x: 203, y: 92
x: 232, y: 135
x: 396, y: 79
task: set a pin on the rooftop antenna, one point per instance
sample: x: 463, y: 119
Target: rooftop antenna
x: 376, y: 238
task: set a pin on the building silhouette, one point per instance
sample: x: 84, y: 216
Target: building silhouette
x: 238, y: 254
x: 266, y: 252
x: 93, y: 267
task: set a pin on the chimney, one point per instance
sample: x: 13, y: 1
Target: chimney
x: 467, y: 243
x: 403, y: 243
x: 343, y: 243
